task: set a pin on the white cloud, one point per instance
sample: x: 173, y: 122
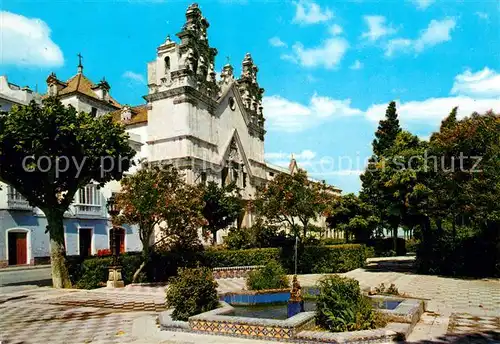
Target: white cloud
x: 484, y: 83
x: 356, y: 65
x: 471, y: 92
x: 397, y: 44
x: 277, y: 42
x: 335, y: 29
x: 306, y: 154
x: 26, y: 42
x: 423, y: 4
x: 285, y: 115
x: 482, y: 15
x: 309, y: 12
x: 438, y: 31
x: 135, y: 77
x: 431, y: 111
x: 377, y: 28
x: 328, y: 54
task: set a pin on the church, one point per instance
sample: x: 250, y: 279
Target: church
x: 209, y: 127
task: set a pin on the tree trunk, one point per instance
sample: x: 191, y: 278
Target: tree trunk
x: 395, y: 231
x: 214, y: 238
x: 60, y: 274
x: 145, y: 258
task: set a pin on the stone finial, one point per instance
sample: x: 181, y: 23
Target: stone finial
x: 227, y: 72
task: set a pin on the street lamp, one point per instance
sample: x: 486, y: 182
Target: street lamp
x: 115, y: 271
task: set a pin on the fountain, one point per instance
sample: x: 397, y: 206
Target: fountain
x: 295, y: 304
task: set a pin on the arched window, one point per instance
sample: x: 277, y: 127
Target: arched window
x: 167, y: 66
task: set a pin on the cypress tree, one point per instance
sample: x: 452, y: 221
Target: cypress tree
x: 387, y: 131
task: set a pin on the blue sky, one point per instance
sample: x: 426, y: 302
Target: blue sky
x: 329, y: 68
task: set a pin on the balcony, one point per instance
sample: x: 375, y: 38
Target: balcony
x: 88, y: 209
x: 16, y: 201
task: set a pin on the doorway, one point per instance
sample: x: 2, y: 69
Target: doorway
x: 85, y: 240
x: 18, y: 248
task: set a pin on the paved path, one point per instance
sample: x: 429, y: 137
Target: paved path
x: 38, y: 275
x: 456, y: 308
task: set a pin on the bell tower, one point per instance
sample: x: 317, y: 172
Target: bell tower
x: 182, y: 95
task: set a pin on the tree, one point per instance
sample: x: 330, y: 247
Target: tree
x: 223, y: 205
x: 156, y: 197
x: 293, y: 200
x: 352, y: 216
x: 451, y: 121
x: 372, y: 186
x: 387, y: 131
x: 48, y: 152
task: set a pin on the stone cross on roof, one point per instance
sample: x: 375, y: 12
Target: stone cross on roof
x: 80, y: 66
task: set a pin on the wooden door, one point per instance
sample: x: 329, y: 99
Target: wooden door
x: 121, y: 234
x: 18, y: 248
x: 21, y: 247
x: 85, y: 236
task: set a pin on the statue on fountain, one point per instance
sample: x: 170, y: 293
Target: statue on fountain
x: 295, y: 303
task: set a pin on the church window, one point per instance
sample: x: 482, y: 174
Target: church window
x: 224, y: 176
x: 167, y: 66
x: 203, y: 178
x: 244, y: 179
x: 232, y: 104
x: 235, y: 176
x: 93, y: 112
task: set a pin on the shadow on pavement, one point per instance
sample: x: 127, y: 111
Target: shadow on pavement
x: 389, y: 265
x: 40, y: 283
x: 466, y: 338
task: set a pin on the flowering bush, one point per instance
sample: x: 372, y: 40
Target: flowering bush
x: 104, y: 252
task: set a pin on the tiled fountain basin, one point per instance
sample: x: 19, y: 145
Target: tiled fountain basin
x: 299, y: 328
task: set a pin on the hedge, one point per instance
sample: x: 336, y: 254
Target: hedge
x: 93, y: 272
x: 253, y: 256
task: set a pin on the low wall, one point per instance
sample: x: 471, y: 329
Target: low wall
x: 234, y: 271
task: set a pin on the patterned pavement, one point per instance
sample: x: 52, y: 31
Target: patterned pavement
x: 459, y: 311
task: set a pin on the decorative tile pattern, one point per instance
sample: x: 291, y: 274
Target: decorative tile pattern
x: 234, y: 271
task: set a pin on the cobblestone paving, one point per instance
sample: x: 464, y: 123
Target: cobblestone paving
x: 39, y: 324
x: 115, y: 300
x: 459, y: 311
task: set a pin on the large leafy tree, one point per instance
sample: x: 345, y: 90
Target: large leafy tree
x: 293, y: 201
x: 48, y: 152
x: 352, y: 216
x: 223, y: 205
x: 157, y: 198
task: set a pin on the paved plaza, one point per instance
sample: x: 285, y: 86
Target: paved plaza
x: 458, y: 311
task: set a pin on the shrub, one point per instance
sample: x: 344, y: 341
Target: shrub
x: 332, y: 241
x: 92, y: 272
x: 340, y: 306
x: 271, y: 276
x: 237, y: 239
x: 370, y: 252
x: 391, y: 290
x: 192, y: 292
x: 328, y: 259
x: 256, y: 256
x: 384, y: 247
x: 411, y: 245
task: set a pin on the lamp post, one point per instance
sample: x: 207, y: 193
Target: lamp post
x: 115, y: 271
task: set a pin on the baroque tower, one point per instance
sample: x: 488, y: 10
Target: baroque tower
x: 212, y: 129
